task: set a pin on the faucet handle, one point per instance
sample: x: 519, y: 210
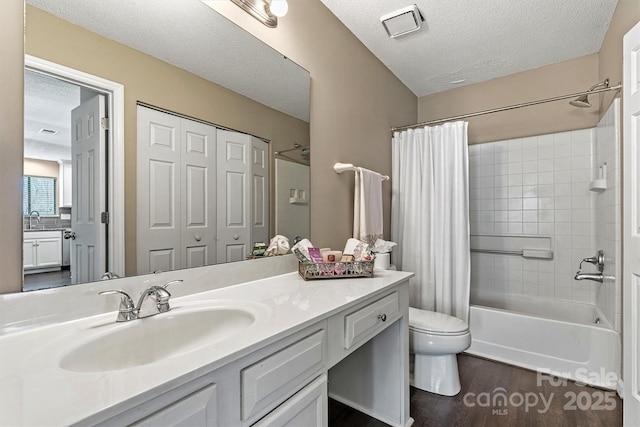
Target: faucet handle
x: 127, y: 310
x: 597, y: 260
x: 163, y: 296
x: 173, y: 282
x: 592, y: 260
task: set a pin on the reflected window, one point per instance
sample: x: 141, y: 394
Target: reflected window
x: 39, y: 194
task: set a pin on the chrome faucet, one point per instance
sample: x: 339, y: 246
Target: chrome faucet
x: 31, y: 217
x: 158, y: 294
x: 598, y: 261
x: 109, y: 275
x: 127, y: 311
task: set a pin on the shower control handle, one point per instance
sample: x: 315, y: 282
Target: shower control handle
x: 597, y: 260
x: 382, y: 317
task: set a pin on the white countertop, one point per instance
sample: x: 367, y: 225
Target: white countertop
x: 34, y: 390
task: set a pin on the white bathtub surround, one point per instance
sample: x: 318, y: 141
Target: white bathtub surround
x: 549, y: 336
x: 539, y: 186
x: 608, y: 215
x: 534, y: 186
x: 309, y: 321
x: 429, y: 217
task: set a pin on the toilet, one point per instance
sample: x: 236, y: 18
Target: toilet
x: 434, y: 340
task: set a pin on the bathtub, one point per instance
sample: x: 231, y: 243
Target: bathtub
x: 559, y: 338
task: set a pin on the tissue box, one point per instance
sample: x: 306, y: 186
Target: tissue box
x: 335, y: 270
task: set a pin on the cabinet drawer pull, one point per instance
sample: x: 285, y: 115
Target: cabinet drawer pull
x: 382, y: 317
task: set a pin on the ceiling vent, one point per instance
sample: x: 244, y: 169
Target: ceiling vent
x: 403, y: 21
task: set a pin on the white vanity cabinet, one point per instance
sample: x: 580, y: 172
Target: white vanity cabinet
x: 349, y: 341
x: 42, y: 251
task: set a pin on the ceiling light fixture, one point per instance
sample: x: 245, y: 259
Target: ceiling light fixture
x: 402, y: 21
x: 278, y: 8
x: 264, y: 11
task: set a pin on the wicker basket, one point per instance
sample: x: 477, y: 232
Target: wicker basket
x: 335, y: 270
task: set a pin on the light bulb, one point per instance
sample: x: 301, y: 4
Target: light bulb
x: 279, y: 8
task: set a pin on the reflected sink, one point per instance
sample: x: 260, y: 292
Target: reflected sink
x: 143, y: 341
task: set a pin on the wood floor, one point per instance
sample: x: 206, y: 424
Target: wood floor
x: 53, y: 279
x: 552, y: 402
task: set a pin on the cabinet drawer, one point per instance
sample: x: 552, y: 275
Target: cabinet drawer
x: 308, y: 407
x: 360, y: 324
x: 273, y: 379
x: 196, y: 409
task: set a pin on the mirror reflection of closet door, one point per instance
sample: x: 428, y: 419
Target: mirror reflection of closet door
x: 176, y: 225
x: 197, y: 198
x: 234, y: 189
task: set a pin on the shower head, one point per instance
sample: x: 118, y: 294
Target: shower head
x: 304, y: 151
x: 583, y: 100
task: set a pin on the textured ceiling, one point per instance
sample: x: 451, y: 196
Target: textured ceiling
x: 477, y: 40
x: 192, y: 36
x: 47, y: 105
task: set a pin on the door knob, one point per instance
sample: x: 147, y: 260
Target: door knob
x: 236, y: 237
x: 198, y: 238
x: 70, y: 235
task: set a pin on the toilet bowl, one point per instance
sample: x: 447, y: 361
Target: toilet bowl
x: 434, y: 340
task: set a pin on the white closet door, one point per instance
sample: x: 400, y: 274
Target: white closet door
x: 259, y: 191
x: 158, y: 198
x: 233, y: 195
x: 198, y: 212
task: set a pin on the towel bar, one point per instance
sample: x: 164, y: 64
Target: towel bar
x: 343, y: 167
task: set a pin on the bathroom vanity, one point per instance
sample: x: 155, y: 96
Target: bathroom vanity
x: 265, y: 352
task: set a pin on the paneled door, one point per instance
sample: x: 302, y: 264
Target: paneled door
x: 88, y: 187
x: 259, y: 191
x: 158, y: 198
x: 197, y: 196
x: 233, y: 195
x: 631, y: 224
x: 176, y: 201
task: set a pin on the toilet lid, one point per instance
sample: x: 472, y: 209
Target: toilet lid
x: 437, y: 322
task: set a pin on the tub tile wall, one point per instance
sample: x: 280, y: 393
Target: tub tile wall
x: 608, y: 215
x: 534, y: 186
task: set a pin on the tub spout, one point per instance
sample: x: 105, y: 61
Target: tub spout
x: 589, y: 276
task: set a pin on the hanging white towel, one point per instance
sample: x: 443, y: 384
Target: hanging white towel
x: 367, y: 206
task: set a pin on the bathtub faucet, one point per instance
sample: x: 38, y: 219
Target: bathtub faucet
x: 598, y: 261
x: 589, y: 276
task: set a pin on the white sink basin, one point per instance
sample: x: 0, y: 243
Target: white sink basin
x: 148, y: 340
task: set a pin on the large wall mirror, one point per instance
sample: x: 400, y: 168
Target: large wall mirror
x: 219, y: 88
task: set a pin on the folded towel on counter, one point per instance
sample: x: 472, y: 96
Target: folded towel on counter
x: 367, y: 206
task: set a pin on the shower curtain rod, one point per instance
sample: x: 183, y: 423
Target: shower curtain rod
x: 510, y: 107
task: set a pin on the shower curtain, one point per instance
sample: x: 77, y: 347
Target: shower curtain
x: 430, y: 215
